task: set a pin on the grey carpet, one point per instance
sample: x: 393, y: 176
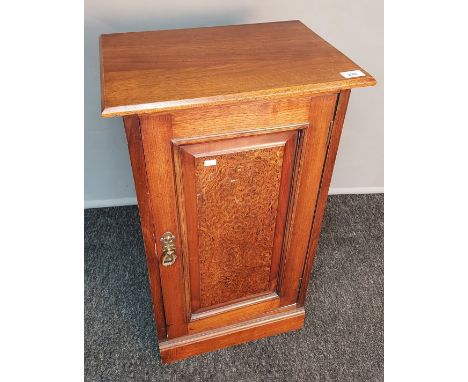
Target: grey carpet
x: 343, y: 335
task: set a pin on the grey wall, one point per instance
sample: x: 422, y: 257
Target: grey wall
x: 355, y: 28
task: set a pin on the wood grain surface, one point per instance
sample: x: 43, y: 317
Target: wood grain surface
x: 237, y: 203
x: 234, y: 312
x: 173, y: 69
x: 327, y: 172
x: 306, y: 188
x: 245, y: 116
x: 156, y: 133
x: 137, y: 159
x: 235, y: 214
x: 190, y: 345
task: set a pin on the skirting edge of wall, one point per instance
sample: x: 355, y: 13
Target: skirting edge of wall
x: 100, y: 203
x: 133, y: 201
x: 355, y: 190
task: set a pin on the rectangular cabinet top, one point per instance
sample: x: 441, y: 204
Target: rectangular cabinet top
x: 163, y: 70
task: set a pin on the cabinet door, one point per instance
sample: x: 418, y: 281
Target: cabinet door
x: 236, y: 210
x: 233, y: 197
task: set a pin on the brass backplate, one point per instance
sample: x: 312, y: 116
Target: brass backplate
x: 168, y: 249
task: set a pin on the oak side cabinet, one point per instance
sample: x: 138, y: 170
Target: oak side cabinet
x: 232, y: 133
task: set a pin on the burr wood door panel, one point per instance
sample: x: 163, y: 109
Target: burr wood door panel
x: 235, y: 198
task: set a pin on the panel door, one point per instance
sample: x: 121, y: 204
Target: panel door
x: 233, y: 199
x: 238, y: 208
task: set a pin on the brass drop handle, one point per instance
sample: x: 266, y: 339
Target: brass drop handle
x: 168, y: 249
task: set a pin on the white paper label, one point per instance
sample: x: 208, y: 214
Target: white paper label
x: 210, y: 162
x: 352, y: 74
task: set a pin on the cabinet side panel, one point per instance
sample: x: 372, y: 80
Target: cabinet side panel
x: 306, y: 187
x: 325, y: 184
x: 135, y: 148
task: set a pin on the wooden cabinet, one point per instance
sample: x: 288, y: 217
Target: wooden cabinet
x: 232, y: 133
